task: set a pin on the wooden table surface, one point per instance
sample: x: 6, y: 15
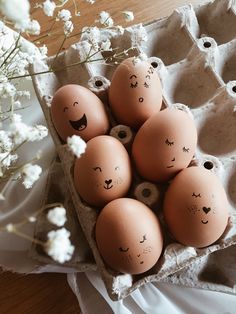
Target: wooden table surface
x: 49, y: 293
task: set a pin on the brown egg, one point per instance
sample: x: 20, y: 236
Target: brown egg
x: 128, y: 236
x: 164, y: 145
x: 76, y: 110
x: 196, y: 207
x: 135, y: 93
x: 103, y: 172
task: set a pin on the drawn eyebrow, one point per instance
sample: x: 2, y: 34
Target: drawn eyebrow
x: 133, y: 76
x: 186, y: 150
x: 144, y: 239
x: 97, y: 168
x: 123, y: 250
x: 75, y: 103
x: 65, y: 108
x: 196, y: 195
x: 148, y: 76
x: 146, y: 85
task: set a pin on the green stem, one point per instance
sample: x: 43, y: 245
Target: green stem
x: 11, y: 52
x: 59, y: 50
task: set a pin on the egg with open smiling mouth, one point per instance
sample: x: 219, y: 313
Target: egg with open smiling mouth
x: 75, y: 110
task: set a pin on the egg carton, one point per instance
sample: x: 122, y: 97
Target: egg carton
x: 194, y: 52
x: 57, y: 192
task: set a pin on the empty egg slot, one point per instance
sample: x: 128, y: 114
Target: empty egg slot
x: 226, y: 63
x: 231, y: 187
x: 170, y: 42
x: 217, y: 20
x: 218, y: 130
x: 190, y: 83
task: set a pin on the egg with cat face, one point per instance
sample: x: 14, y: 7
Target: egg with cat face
x: 103, y: 172
x: 135, y: 93
x: 164, y: 145
x: 196, y: 207
x: 75, y: 110
x: 129, y: 236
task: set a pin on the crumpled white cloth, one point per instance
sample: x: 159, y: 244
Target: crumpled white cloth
x: 152, y: 298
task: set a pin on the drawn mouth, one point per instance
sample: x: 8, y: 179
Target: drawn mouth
x: 79, y: 125
x: 141, y: 262
x: 141, y: 99
x: 108, y: 187
x: 204, y: 222
x: 169, y: 166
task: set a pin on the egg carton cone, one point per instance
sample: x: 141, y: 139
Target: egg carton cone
x: 194, y: 53
x: 57, y: 192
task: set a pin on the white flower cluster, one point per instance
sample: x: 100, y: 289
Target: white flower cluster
x: 65, y: 17
x: 59, y: 246
x: 19, y: 13
x: 49, y: 7
x: 57, y: 216
x: 105, y: 19
x: 128, y: 15
x: 77, y: 145
x: 30, y: 174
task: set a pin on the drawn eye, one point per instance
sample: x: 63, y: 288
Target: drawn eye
x: 75, y: 103
x: 65, y: 108
x: 123, y: 250
x: 168, y: 142
x: 148, y: 77
x: 196, y: 195
x: 186, y: 150
x: 146, y: 85
x: 144, y: 239
x: 117, y: 168
x: 151, y: 70
x: 97, y: 168
x: 134, y: 85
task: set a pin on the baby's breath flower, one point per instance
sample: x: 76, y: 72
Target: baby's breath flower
x: 30, y: 174
x: 37, y: 133
x: 105, y: 19
x: 49, y: 7
x: 59, y: 246
x: 32, y: 219
x: 10, y: 227
x: 7, y: 159
x: 90, y: 1
x: 128, y: 15
x: 15, y: 10
x: 139, y: 36
x: 106, y: 45
x: 57, y: 216
x: 77, y: 145
x: 68, y: 27
x: 64, y: 15
x: 44, y: 51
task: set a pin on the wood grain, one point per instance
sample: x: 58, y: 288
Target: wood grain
x: 49, y: 293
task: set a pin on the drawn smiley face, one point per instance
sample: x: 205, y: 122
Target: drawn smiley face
x: 128, y: 236
x: 196, y: 207
x: 108, y: 179
x: 75, y: 110
x: 173, y: 151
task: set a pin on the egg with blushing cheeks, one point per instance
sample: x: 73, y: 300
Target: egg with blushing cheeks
x: 103, y: 172
x: 196, y: 207
x: 135, y: 93
x: 75, y: 110
x: 164, y: 145
x: 128, y: 236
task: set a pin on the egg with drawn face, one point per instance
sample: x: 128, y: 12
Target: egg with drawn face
x: 75, y: 110
x: 196, y: 207
x: 103, y: 172
x: 164, y: 145
x: 135, y: 93
x: 129, y: 236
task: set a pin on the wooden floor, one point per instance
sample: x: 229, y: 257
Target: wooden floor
x: 49, y: 293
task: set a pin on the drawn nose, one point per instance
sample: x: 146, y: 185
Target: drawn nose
x: 173, y: 159
x: 108, y: 181
x: 140, y: 99
x: 206, y: 209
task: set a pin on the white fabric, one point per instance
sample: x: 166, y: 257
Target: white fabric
x: 152, y: 298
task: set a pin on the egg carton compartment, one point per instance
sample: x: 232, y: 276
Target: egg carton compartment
x: 57, y: 192
x: 217, y: 19
x: 192, y: 81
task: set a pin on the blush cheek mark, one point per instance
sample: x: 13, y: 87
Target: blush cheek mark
x: 147, y: 249
x: 98, y: 184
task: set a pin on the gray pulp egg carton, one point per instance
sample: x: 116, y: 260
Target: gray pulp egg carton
x: 194, y: 52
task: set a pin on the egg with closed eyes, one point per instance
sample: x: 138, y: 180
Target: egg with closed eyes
x: 135, y: 93
x: 164, y: 145
x: 75, y: 110
x: 128, y: 236
x: 196, y: 207
x: 103, y: 172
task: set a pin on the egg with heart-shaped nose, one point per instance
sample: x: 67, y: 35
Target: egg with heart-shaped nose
x: 196, y: 207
